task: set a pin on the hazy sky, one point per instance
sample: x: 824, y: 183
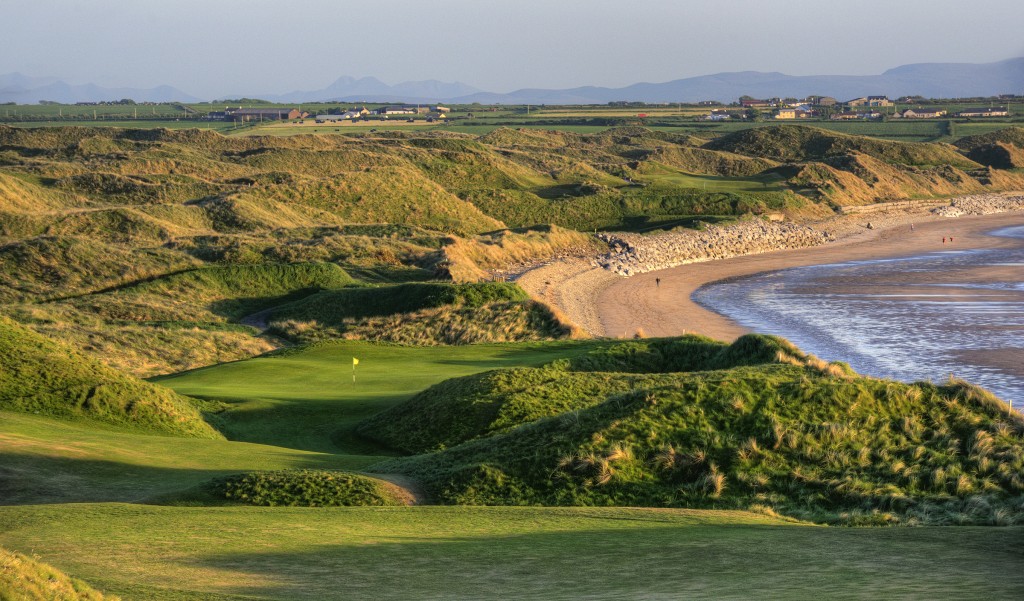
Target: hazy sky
x: 220, y: 47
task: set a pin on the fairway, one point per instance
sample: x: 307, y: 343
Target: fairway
x: 64, y: 476
x: 505, y: 552
x: 309, y: 399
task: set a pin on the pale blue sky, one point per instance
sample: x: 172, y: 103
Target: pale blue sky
x: 216, y: 47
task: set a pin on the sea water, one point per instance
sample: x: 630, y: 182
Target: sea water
x: 924, y: 317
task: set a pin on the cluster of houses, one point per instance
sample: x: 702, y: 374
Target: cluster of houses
x: 856, y: 108
x: 432, y: 113
x: 284, y: 114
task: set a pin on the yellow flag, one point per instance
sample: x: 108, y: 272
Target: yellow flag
x: 355, y: 362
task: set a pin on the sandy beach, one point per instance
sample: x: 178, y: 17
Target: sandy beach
x: 606, y: 304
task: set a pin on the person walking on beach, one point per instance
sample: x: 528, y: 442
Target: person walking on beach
x: 943, y: 239
x: 657, y: 282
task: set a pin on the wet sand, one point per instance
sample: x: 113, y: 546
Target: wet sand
x: 627, y: 305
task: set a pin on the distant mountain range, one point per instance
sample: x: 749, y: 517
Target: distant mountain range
x: 350, y: 89
x: 15, y: 87
x: 936, y: 80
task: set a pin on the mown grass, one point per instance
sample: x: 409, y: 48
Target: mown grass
x: 45, y: 460
x: 309, y: 400
x: 140, y: 552
x: 232, y: 552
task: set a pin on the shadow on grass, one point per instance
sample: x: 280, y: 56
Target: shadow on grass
x: 668, y: 562
x: 27, y: 479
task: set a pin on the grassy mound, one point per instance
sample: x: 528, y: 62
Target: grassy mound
x: 58, y: 266
x: 792, y: 143
x: 999, y: 155
x: 419, y: 313
x: 306, y: 488
x: 809, y: 440
x: 40, y: 376
x: 462, y: 409
x: 237, y: 290
x: 1009, y: 135
x: 25, y: 579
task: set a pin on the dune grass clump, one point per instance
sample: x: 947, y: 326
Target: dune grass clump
x: 463, y: 409
x: 25, y: 579
x: 419, y: 313
x: 38, y: 375
x: 806, y: 439
x: 306, y: 488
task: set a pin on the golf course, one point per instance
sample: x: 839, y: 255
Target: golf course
x: 300, y: 367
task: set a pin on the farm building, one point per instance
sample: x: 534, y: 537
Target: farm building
x: 869, y: 101
x: 754, y: 103
x: 396, y: 110
x: 984, y: 112
x: 822, y: 101
x: 795, y: 113
x: 273, y: 114
x: 718, y: 115
x: 849, y: 115
x: 922, y: 113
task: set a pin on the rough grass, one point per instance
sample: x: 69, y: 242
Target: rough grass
x: 40, y: 376
x: 1008, y: 135
x: 791, y: 143
x: 799, y: 435
x: 419, y: 313
x: 305, y: 488
x: 25, y: 579
x: 459, y: 410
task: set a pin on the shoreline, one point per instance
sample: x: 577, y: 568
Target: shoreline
x: 606, y: 304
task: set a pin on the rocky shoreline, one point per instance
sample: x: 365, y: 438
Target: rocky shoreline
x: 574, y: 285
x: 632, y: 254
x: 981, y: 204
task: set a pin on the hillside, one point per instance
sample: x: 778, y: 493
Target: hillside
x: 791, y: 433
x: 40, y: 376
x: 99, y: 226
x: 418, y: 313
x: 25, y: 579
x: 797, y: 143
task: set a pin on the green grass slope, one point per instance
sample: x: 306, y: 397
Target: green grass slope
x: 792, y: 143
x: 306, y: 398
x: 800, y: 436
x: 462, y: 409
x: 1008, y: 135
x: 230, y: 290
x: 40, y: 376
x: 25, y: 579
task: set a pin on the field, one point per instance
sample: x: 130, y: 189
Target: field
x: 232, y: 552
x: 479, y: 120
